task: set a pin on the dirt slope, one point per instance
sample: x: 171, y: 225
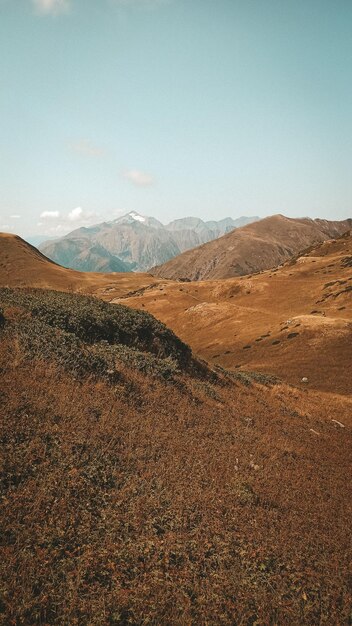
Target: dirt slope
x: 22, y: 265
x: 252, y: 248
x: 294, y: 321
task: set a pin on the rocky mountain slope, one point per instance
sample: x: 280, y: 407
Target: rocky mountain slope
x: 255, y: 247
x: 133, y: 242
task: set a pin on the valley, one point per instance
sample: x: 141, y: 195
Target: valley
x: 294, y: 321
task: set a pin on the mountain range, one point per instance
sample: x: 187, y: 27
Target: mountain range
x: 134, y: 242
x: 252, y: 248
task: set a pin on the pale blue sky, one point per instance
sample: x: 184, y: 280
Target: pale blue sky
x: 173, y: 108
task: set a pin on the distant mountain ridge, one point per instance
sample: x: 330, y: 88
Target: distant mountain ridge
x: 134, y: 242
x: 255, y: 247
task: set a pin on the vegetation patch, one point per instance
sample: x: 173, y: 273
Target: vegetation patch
x: 248, y: 377
x: 346, y: 261
x: 89, y: 337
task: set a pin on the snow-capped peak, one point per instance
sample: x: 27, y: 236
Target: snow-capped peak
x: 136, y: 216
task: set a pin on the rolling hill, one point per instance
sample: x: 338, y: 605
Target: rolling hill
x: 257, y: 246
x: 294, y: 321
x: 22, y: 265
x: 140, y: 484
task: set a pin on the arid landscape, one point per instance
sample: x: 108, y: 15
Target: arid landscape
x: 142, y: 483
x: 258, y: 246
x: 294, y: 321
x: 175, y: 313
x: 22, y: 265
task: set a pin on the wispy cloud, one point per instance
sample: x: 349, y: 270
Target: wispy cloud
x: 139, y: 178
x: 86, y: 148
x: 51, y: 7
x: 15, y: 217
x: 49, y: 215
x: 56, y: 223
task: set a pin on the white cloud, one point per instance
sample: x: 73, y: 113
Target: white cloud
x: 51, y: 7
x: 56, y: 223
x: 78, y: 215
x: 50, y: 215
x: 139, y: 178
x: 86, y: 148
x: 15, y: 217
x: 4, y: 226
x: 75, y: 214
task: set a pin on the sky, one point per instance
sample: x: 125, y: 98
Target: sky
x: 170, y: 108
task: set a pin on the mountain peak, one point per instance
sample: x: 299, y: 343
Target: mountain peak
x: 138, y: 241
x: 136, y: 216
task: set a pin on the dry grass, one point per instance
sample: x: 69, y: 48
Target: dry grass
x: 294, y: 322
x: 22, y: 265
x: 147, y: 501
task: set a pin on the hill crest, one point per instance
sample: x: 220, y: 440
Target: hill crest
x: 252, y: 248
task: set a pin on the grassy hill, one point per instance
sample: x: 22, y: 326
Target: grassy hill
x: 138, y: 485
x: 22, y: 265
x: 294, y: 321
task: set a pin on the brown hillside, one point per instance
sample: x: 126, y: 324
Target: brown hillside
x: 252, y: 248
x: 135, y: 492
x: 294, y: 321
x: 22, y: 265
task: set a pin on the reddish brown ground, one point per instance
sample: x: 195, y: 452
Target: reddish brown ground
x: 164, y: 506
x: 295, y: 321
x: 189, y: 503
x: 252, y: 248
x: 22, y: 265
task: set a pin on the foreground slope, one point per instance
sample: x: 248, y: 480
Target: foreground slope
x: 139, y: 486
x: 294, y: 321
x: 21, y: 265
x: 252, y: 248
